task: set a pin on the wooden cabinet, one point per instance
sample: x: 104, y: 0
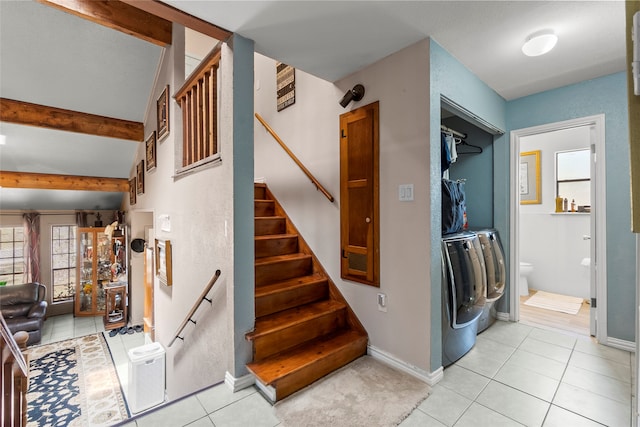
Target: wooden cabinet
x: 101, y: 261
x: 115, y: 315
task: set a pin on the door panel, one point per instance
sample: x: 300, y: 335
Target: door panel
x: 359, y: 195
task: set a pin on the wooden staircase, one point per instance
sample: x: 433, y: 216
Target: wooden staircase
x: 304, y: 327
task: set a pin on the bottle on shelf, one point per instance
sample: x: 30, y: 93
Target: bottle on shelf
x: 565, y: 205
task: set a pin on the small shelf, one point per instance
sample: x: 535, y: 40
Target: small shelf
x: 570, y: 213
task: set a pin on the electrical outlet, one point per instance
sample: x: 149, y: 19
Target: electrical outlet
x: 382, y: 302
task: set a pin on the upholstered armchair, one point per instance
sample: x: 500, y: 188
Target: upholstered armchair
x: 24, y: 308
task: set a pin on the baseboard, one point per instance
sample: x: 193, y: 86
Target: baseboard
x: 621, y: 344
x: 502, y: 316
x: 236, y: 384
x: 431, y: 378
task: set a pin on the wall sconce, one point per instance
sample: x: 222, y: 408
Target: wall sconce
x: 354, y: 94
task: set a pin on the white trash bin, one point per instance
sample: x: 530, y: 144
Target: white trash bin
x: 146, y: 376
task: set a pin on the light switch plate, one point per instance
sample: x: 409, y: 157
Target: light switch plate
x: 405, y: 192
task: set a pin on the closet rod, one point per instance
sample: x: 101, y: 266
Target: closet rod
x: 454, y: 132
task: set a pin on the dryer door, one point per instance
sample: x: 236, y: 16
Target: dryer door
x: 465, y: 283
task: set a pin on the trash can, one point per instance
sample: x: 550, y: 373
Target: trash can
x: 146, y: 376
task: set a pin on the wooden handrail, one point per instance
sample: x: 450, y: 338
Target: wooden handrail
x: 295, y: 159
x: 203, y: 297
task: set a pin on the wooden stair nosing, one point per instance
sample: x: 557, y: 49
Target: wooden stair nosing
x: 281, y: 296
x: 281, y: 365
x: 284, y: 285
x: 276, y: 322
x: 276, y: 259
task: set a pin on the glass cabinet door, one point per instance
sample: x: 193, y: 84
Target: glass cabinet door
x: 86, y: 285
x: 94, y: 271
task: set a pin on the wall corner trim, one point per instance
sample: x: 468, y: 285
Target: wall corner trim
x: 236, y: 384
x: 431, y: 378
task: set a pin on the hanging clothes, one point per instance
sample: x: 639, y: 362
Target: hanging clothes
x: 451, y: 143
x: 445, y: 154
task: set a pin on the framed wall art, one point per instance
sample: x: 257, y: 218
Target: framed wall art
x: 163, y: 262
x: 132, y: 191
x: 530, y: 182
x: 286, y: 85
x: 151, y: 151
x: 140, y: 178
x: 163, y: 114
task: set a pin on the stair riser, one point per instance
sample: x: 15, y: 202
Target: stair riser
x: 321, y: 367
x: 266, y: 226
x: 276, y: 246
x: 281, y: 340
x: 283, y: 270
x: 264, y: 208
x: 259, y: 193
x: 274, y: 303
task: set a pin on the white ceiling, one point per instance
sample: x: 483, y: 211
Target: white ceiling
x: 52, y: 58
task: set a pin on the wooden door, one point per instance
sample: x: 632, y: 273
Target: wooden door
x: 359, y: 202
x: 149, y: 326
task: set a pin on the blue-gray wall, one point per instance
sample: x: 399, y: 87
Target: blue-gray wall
x: 451, y: 79
x: 606, y: 95
x: 243, y: 195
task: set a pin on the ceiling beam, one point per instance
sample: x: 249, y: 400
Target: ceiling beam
x: 25, y: 113
x: 44, y: 181
x: 119, y: 16
x: 172, y: 14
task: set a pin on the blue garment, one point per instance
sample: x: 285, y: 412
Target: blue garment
x: 445, y: 154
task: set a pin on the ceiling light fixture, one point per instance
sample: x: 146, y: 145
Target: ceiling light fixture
x: 539, y: 43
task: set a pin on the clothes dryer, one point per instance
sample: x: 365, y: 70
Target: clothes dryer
x: 463, y: 294
x: 496, y: 274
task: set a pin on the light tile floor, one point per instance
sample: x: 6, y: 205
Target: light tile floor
x: 515, y: 375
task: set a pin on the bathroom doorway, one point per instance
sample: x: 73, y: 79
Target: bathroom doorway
x: 559, y: 249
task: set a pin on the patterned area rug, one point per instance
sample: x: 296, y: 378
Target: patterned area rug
x: 74, y: 383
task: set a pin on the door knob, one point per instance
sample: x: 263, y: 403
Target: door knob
x: 367, y: 220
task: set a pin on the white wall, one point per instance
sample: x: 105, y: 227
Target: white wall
x: 200, y: 208
x: 554, y: 243
x: 310, y: 127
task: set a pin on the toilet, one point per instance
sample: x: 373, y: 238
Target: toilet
x: 525, y: 269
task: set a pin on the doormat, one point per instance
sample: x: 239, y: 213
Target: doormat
x: 74, y: 383
x: 555, y: 302
x: 365, y: 392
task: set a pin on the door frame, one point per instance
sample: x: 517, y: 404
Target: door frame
x: 598, y: 216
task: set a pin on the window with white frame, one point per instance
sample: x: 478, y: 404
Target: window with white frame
x: 63, y: 262
x: 12, y: 268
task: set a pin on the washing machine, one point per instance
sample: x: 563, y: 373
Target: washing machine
x: 496, y: 274
x: 463, y: 294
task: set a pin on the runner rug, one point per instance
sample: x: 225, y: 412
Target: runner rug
x: 555, y: 302
x: 365, y: 392
x: 74, y: 383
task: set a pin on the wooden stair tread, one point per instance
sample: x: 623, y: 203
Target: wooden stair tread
x: 285, y: 285
x: 269, y: 217
x: 294, y: 316
x: 280, y: 258
x: 287, y: 363
x: 275, y: 236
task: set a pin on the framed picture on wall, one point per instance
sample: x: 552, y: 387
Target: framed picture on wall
x: 150, y: 144
x: 163, y: 262
x: 163, y: 114
x: 530, y: 181
x: 132, y: 191
x: 140, y: 178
